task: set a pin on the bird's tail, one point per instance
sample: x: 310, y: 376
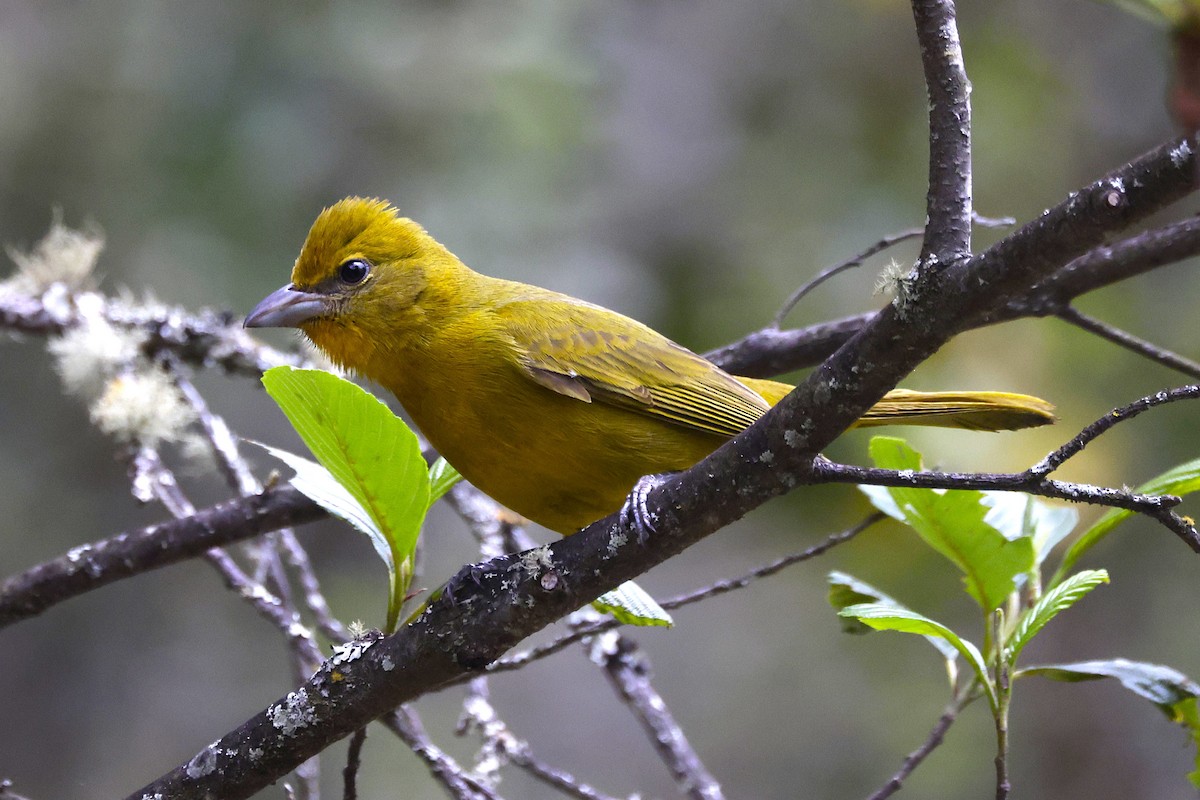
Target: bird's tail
x: 977, y: 411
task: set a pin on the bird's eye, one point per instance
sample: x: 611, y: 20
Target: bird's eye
x: 354, y: 271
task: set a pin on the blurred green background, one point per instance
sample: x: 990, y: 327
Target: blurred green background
x: 688, y: 163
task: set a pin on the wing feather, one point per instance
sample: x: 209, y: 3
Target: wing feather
x: 596, y: 355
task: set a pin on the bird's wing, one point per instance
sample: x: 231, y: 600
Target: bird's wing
x: 596, y: 355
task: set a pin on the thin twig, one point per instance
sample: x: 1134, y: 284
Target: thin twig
x: 1111, y: 263
x: 1089, y: 434
x: 314, y: 598
x: 1156, y: 507
x: 501, y: 746
x: 629, y: 674
x: 1130, y: 342
x: 914, y: 759
x: 723, y: 586
x: 582, y: 632
x: 769, y: 352
x: 493, y: 526
x: 148, y: 465
x: 6, y: 792
x: 459, y: 783
x: 850, y: 263
x: 269, y: 568
x: 238, y: 476
x: 353, y: 761
x: 557, y: 778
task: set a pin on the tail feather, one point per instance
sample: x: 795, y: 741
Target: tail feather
x: 977, y: 411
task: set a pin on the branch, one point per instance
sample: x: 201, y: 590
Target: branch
x: 1109, y: 264
x: 948, y: 203
x: 207, y: 338
x: 91, y: 566
x: 769, y: 352
x: 512, y: 600
x: 1155, y: 506
x: 353, y: 762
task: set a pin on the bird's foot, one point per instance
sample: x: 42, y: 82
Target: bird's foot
x: 634, y: 513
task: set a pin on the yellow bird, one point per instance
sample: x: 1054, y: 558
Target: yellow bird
x: 553, y: 406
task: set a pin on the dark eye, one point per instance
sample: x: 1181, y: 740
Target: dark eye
x: 354, y: 271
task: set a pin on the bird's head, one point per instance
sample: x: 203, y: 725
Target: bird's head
x: 358, y: 283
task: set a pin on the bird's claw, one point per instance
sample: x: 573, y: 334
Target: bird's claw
x: 634, y: 513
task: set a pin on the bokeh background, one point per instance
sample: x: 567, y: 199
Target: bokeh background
x: 686, y: 163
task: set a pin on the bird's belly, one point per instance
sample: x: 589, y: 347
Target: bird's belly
x: 555, y: 460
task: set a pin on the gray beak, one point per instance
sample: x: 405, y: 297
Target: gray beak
x: 285, y: 308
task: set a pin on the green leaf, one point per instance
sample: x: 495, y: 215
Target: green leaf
x: 319, y: 485
x: 952, y: 522
x: 1015, y: 514
x: 1187, y: 715
x: 846, y: 590
x: 632, y: 605
x: 1174, y: 693
x: 442, y: 477
x: 884, y: 617
x: 370, y: 451
x: 1049, y: 605
x: 1161, y: 685
x: 1180, y: 480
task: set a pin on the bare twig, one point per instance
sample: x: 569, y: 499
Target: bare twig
x: 850, y: 263
x: 1130, y: 342
x: 353, y: 761
x: 6, y: 792
x: 314, y: 598
x: 493, y: 526
x: 768, y: 352
x: 723, y: 586
x: 148, y: 466
x: 501, y: 746
x: 629, y: 674
x: 1111, y: 263
x: 1158, y: 507
x: 1072, y: 448
x: 459, y: 783
x: 585, y: 631
x: 914, y: 759
x: 270, y: 570
x: 557, y: 778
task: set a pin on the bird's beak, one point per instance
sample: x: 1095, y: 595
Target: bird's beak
x: 285, y: 308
